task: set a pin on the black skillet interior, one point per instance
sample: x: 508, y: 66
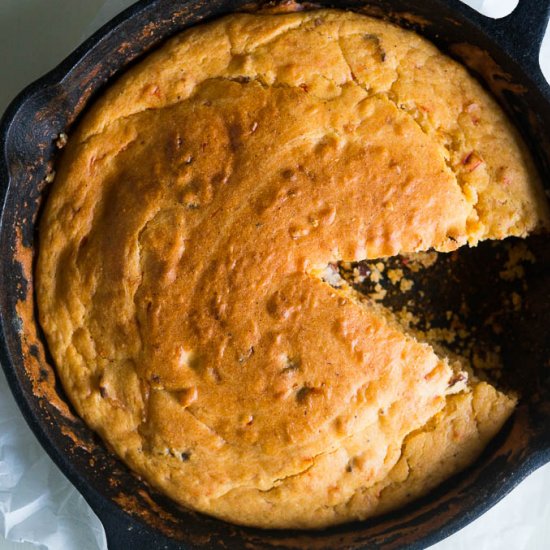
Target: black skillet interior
x: 503, y: 54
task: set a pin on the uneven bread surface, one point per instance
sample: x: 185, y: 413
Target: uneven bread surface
x: 192, y: 210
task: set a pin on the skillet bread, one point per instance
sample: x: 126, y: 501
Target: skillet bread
x: 181, y: 247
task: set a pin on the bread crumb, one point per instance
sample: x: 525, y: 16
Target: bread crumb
x: 516, y: 301
x: 395, y: 275
x: 61, y: 140
x: 420, y: 260
x: 518, y: 253
x: 406, y: 284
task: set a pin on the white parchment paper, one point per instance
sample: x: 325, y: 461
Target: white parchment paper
x: 37, y: 502
x: 40, y: 506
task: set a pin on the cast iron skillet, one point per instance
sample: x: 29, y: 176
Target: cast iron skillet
x: 504, y: 55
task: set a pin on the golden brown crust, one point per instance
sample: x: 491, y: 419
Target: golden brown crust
x: 179, y: 246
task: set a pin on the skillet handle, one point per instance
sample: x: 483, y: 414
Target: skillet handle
x: 521, y: 32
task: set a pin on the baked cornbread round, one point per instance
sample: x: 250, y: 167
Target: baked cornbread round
x: 181, y: 247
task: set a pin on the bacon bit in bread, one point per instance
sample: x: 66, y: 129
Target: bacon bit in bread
x: 473, y: 110
x: 472, y: 161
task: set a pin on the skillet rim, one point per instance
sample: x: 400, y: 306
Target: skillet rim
x: 110, y: 513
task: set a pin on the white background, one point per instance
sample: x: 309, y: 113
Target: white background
x: 36, y: 502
